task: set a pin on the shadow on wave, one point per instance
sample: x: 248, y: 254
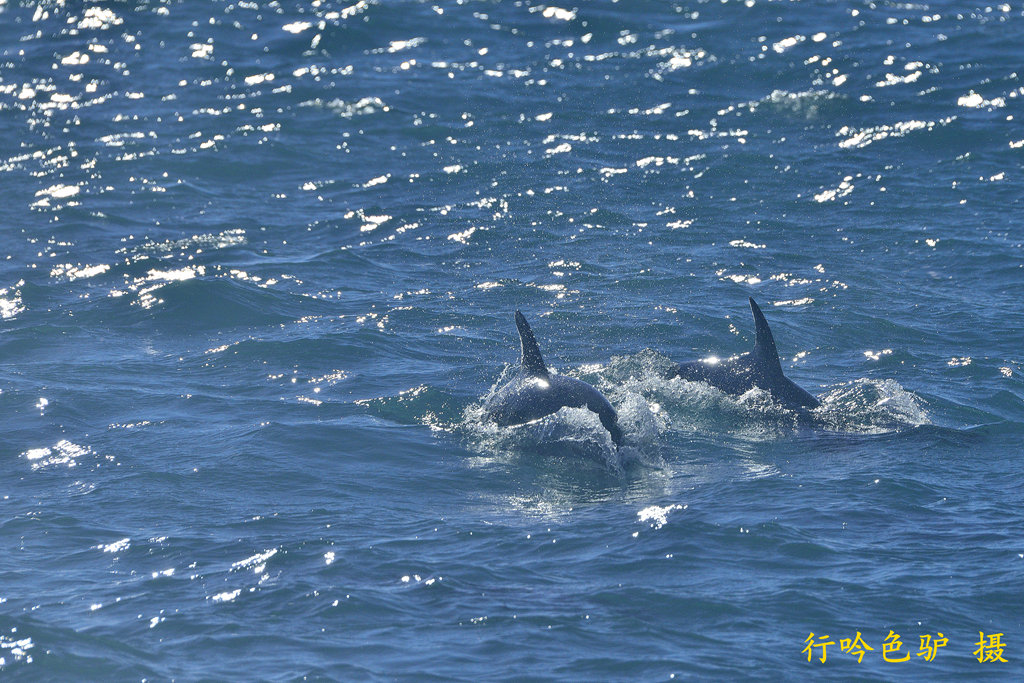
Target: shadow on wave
x: 201, y: 303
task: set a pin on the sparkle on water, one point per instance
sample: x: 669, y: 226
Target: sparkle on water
x: 257, y: 272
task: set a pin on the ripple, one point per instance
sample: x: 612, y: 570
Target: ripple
x: 255, y: 266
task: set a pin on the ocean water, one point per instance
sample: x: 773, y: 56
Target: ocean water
x: 258, y: 265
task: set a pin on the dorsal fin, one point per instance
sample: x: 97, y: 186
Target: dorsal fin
x: 765, y: 353
x: 532, y: 361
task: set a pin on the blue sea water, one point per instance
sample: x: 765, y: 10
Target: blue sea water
x: 258, y: 263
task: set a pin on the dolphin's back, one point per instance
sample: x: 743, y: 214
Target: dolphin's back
x: 535, y: 393
x: 733, y: 376
x: 525, y: 399
x: 759, y: 368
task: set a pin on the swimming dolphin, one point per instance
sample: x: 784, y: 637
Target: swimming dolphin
x: 759, y: 368
x: 534, y: 392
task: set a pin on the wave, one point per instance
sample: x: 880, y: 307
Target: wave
x: 186, y: 301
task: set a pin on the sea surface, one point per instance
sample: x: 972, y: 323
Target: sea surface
x: 258, y: 269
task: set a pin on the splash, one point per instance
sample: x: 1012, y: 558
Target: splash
x: 570, y: 433
x: 862, y: 406
x: 573, y: 432
x: 868, y: 406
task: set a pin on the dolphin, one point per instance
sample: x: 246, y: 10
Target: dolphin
x: 758, y: 368
x: 534, y: 392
